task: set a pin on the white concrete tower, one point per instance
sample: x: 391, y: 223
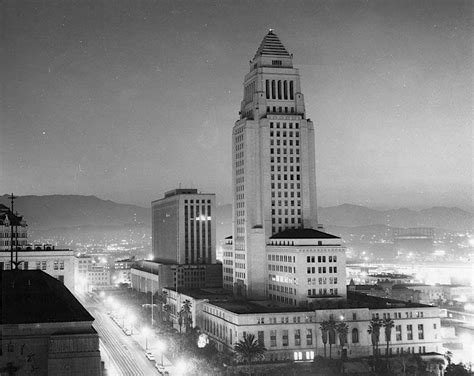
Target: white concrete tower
x: 274, y: 176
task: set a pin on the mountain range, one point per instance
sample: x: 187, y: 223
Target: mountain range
x: 65, y: 211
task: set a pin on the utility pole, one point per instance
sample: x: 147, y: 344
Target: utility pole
x: 12, y: 199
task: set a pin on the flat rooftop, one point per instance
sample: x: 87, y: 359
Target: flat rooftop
x: 354, y: 300
x: 32, y: 296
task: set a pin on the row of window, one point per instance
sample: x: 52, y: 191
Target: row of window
x: 398, y: 315
x: 281, y: 268
x: 322, y: 291
x: 282, y: 279
x: 322, y: 281
x: 312, y: 259
x: 282, y: 258
x: 284, y: 142
x: 321, y: 269
x: 284, y: 151
x: 285, y: 160
x: 284, y: 289
x: 279, y: 89
x: 283, y: 126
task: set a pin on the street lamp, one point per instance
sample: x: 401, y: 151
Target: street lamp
x: 161, y: 348
x: 131, y: 320
x: 146, y: 332
x: 180, y: 367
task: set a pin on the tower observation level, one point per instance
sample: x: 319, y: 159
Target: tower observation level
x: 274, y: 176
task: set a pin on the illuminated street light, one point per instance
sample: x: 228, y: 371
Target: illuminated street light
x: 161, y: 348
x: 146, y: 331
x: 180, y: 367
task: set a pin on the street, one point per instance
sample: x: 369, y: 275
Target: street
x: 121, y: 353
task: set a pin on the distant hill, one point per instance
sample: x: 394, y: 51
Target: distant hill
x: 347, y: 215
x: 56, y: 211
x: 59, y: 211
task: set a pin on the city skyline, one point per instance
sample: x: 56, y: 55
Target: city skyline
x: 119, y: 102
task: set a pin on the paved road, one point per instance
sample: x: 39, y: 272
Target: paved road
x: 124, y: 355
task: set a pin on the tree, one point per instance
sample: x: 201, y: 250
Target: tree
x: 457, y: 370
x: 331, y: 336
x: 185, y: 315
x: 374, y: 331
x: 388, y: 325
x: 342, y: 329
x: 249, y: 349
x: 324, y: 334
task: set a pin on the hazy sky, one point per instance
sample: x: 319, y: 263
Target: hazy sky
x: 127, y: 99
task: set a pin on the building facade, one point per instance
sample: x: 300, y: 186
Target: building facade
x: 296, y: 334
x: 51, y: 335
x: 273, y: 162
x: 183, y: 227
x: 20, y: 230
x: 58, y: 263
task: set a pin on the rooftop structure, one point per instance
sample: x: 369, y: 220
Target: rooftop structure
x: 44, y: 329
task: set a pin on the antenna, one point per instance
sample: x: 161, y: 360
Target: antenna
x: 16, y: 263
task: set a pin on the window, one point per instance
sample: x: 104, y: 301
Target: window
x: 297, y: 337
x: 409, y: 332
x: 398, y: 332
x: 43, y: 265
x: 261, y: 337
x: 355, y: 335
x: 273, y: 338
x: 285, y: 337
x: 421, y: 334
x: 309, y: 337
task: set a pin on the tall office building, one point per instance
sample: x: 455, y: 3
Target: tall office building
x: 183, y: 227
x: 274, y: 176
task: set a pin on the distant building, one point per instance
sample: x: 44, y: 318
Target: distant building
x: 121, y: 272
x: 184, y: 244
x: 20, y: 229
x: 82, y: 264
x: 58, y: 263
x: 414, y: 241
x: 98, y: 276
x: 153, y: 276
x: 228, y: 263
x: 183, y: 227
x: 44, y: 329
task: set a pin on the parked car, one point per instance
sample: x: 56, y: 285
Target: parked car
x: 149, y: 355
x: 161, y: 369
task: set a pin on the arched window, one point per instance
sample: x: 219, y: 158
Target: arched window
x: 285, y: 89
x: 279, y: 89
x: 355, y: 335
x: 267, y: 88
x: 291, y: 90
x: 273, y: 90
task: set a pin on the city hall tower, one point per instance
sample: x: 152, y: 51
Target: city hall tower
x: 274, y: 177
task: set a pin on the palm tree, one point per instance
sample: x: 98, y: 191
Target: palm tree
x: 331, y: 336
x: 324, y: 334
x: 249, y: 349
x: 388, y: 325
x: 185, y: 316
x: 374, y: 331
x: 342, y: 329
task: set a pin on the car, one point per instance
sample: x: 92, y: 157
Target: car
x: 161, y: 369
x: 127, y: 331
x: 149, y: 355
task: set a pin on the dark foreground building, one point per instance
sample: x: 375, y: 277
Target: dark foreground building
x: 44, y: 330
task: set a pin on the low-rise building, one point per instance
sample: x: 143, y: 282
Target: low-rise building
x: 154, y: 276
x: 9, y: 221
x: 44, y: 329
x: 59, y: 263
